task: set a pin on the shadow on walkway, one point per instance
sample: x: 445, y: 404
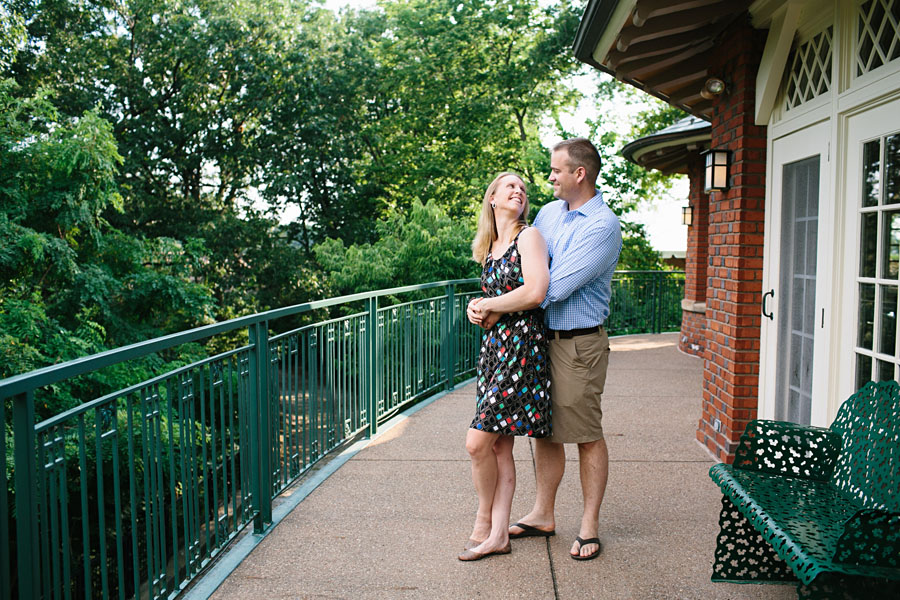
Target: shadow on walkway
x: 391, y: 521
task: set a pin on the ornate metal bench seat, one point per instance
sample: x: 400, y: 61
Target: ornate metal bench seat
x: 817, y: 507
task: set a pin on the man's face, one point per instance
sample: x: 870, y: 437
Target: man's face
x: 562, y: 175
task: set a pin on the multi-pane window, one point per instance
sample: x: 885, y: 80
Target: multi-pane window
x: 877, y: 34
x: 877, y: 354
x: 810, y: 73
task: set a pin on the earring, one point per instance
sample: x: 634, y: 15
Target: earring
x: 493, y: 205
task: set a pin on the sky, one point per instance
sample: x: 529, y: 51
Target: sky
x: 662, y: 219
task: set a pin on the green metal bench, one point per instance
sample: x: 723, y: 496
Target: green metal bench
x: 817, y: 507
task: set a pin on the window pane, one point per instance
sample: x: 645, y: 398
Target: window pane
x: 863, y: 370
x: 799, y: 247
x: 797, y: 289
x: 890, y: 245
x: 888, y: 334
x: 866, y: 315
x: 892, y: 166
x: 796, y: 348
x: 869, y: 245
x: 871, y: 173
x: 885, y: 370
x: 795, y: 407
x: 812, y: 239
x: 806, y: 367
x: 809, y: 308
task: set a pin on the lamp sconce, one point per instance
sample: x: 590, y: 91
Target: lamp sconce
x: 712, y: 88
x: 716, y: 173
x: 687, y: 215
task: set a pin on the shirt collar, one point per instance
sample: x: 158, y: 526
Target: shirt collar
x: 590, y: 207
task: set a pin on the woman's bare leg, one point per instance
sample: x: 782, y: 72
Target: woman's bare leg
x: 480, y: 446
x: 503, y: 495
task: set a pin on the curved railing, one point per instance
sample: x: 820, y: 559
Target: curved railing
x: 132, y: 493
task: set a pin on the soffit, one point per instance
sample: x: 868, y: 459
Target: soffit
x: 663, y: 47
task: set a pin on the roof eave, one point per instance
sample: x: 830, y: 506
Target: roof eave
x: 594, y: 26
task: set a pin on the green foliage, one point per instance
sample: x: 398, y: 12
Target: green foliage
x: 626, y: 185
x: 71, y: 284
x: 152, y: 143
x: 423, y: 244
x: 415, y: 99
x: 12, y: 34
x: 637, y: 253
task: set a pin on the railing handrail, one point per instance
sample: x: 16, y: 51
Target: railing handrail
x: 24, y: 382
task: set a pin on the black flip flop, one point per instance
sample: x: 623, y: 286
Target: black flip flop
x: 581, y: 544
x: 530, y: 531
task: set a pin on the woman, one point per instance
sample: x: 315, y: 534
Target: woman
x: 513, y: 377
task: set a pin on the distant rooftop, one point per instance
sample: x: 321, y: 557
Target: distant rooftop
x: 669, y: 149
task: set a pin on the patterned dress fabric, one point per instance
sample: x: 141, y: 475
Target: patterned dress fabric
x: 513, y: 379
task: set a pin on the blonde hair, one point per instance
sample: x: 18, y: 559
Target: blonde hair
x: 487, y: 224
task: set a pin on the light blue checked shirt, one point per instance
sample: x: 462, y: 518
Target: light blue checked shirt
x: 584, y: 246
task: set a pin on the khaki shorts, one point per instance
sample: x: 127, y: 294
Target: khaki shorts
x: 577, y: 374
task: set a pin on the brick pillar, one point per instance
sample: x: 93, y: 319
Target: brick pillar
x: 693, y: 315
x: 736, y: 218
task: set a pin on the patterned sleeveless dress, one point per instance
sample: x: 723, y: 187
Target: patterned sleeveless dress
x: 513, y: 378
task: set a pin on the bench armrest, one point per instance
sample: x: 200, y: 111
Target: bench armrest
x: 788, y: 449
x: 871, y: 537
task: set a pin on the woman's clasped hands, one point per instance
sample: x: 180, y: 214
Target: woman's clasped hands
x: 479, y: 313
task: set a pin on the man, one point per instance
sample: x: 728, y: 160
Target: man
x: 584, y: 240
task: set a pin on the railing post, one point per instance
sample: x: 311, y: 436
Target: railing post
x: 265, y: 424
x: 26, y: 501
x: 261, y: 475
x: 372, y: 363
x: 657, y: 291
x: 448, y: 341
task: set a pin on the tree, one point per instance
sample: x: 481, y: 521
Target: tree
x: 70, y: 284
x: 419, y: 245
x: 456, y: 94
x: 12, y: 34
x: 626, y: 185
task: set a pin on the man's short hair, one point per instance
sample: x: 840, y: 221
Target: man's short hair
x: 582, y: 153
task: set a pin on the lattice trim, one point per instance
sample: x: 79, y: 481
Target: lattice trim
x: 810, y: 74
x: 878, y: 34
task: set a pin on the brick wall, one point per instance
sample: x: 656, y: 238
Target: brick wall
x: 693, y: 332
x: 734, y: 276
x: 693, y: 321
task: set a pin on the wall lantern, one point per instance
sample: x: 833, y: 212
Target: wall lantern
x: 716, y: 172
x: 712, y: 88
x: 687, y: 215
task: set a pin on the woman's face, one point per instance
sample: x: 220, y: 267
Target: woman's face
x: 510, y: 195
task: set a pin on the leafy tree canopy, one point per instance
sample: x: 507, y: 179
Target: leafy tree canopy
x: 148, y: 147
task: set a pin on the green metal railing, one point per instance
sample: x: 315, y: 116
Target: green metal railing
x: 645, y: 302
x: 133, y: 493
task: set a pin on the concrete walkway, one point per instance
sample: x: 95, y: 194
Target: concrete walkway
x: 390, y: 522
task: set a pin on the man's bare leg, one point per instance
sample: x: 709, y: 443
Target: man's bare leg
x: 593, y: 460
x: 550, y: 464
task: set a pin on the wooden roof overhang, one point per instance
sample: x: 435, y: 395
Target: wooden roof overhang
x: 663, y: 47
x: 671, y: 149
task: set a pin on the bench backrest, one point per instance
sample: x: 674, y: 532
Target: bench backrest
x: 868, y: 466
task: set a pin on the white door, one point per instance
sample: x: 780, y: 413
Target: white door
x: 797, y: 254
x: 869, y: 339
